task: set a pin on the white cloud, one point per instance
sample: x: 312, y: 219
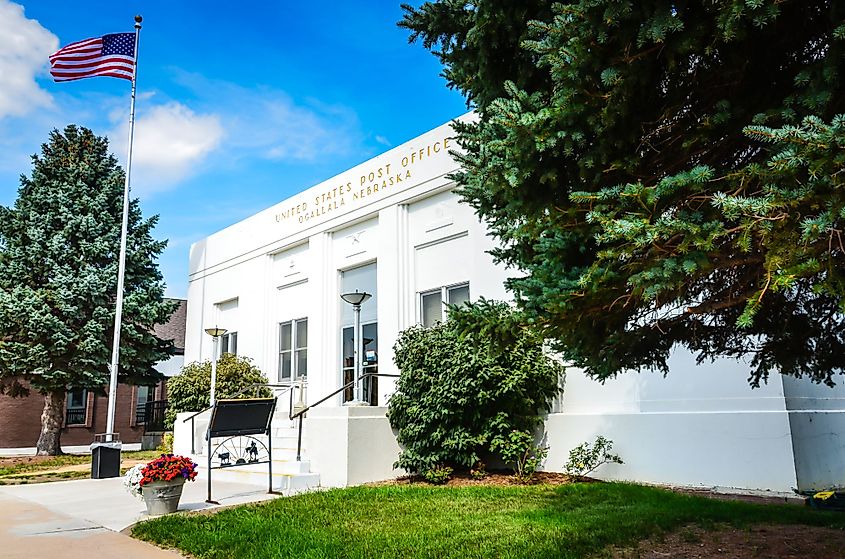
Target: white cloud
x: 24, y: 48
x: 268, y: 123
x: 171, y: 144
x: 294, y: 132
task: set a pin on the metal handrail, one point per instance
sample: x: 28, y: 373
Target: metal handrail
x: 291, y: 415
x: 349, y: 384
x: 238, y: 393
x: 152, y: 415
x: 302, y: 412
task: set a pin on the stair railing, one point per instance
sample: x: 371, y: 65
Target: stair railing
x: 300, y: 413
x: 283, y: 387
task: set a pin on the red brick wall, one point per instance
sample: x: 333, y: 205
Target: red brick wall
x: 20, y: 419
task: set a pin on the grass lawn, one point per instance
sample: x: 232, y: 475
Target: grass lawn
x: 37, y: 469
x: 541, y: 521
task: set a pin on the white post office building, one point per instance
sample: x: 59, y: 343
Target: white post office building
x: 394, y: 228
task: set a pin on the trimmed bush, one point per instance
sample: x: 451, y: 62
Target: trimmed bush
x: 461, y: 389
x: 191, y: 388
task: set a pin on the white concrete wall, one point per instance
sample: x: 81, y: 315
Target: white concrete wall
x: 817, y: 420
x: 182, y: 433
x: 351, y: 445
x: 701, y: 425
x: 749, y: 451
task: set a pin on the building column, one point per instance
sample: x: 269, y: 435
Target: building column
x: 393, y: 282
x: 323, y: 370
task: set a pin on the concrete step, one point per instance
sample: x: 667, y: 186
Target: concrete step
x: 284, y: 451
x: 279, y: 467
x: 288, y: 438
x: 285, y: 482
x: 287, y: 453
x: 283, y: 442
x: 287, y: 432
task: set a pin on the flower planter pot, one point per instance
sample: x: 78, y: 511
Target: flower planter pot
x: 162, y: 497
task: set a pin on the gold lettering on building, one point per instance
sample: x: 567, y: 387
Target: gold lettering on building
x: 369, y: 185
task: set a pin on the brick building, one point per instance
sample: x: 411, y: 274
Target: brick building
x: 85, y: 411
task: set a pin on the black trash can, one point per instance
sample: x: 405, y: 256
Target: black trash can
x: 105, y: 459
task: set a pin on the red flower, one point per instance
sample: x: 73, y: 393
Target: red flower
x: 167, y: 468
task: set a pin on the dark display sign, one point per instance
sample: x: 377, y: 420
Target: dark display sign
x: 231, y: 418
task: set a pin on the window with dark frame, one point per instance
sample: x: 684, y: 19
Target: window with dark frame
x: 143, y: 395
x: 229, y: 343
x: 76, y: 407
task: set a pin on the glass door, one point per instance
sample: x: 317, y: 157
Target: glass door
x: 368, y: 365
x: 363, y: 279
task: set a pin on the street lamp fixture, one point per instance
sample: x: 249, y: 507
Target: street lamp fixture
x: 356, y: 299
x: 215, y: 334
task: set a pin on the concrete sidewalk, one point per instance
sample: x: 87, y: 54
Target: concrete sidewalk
x: 106, y: 503
x: 29, y: 530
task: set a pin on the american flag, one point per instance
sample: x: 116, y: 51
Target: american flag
x: 111, y: 55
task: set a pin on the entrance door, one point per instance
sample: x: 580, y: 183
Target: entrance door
x: 368, y: 365
x: 363, y: 279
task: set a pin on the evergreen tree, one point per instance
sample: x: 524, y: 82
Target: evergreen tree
x: 59, y: 248
x: 664, y: 173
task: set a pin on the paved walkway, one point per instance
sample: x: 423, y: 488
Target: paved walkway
x: 83, y: 518
x: 28, y: 531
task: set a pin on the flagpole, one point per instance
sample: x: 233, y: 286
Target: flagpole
x: 121, y: 268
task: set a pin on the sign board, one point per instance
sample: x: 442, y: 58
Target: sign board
x: 232, y: 418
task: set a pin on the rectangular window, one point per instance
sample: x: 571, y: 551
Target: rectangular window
x: 432, y: 302
x: 229, y: 343
x: 77, y: 404
x: 432, y: 308
x: 293, y: 349
x: 457, y: 295
x: 143, y: 395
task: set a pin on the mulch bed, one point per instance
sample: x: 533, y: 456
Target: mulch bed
x: 494, y: 478
x: 762, y: 541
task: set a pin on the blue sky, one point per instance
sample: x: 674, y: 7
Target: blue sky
x: 240, y: 105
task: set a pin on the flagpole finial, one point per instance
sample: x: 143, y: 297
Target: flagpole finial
x: 138, y: 20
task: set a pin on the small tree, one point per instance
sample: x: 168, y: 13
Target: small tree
x: 59, y: 249
x: 585, y: 458
x: 458, y: 393
x: 191, y: 388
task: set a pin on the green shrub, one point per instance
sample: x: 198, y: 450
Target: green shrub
x: 166, y: 444
x: 459, y: 389
x: 438, y: 475
x: 518, y: 449
x: 191, y: 388
x: 479, y: 471
x: 585, y: 458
